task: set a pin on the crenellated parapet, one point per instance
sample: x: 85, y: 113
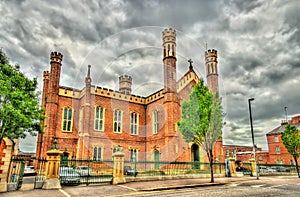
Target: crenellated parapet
x: 70, y: 92
x: 169, y: 35
x: 211, y: 53
x: 117, y: 95
x: 156, y: 96
x: 125, y: 83
x: 105, y: 92
x: 169, y: 43
x: 46, y: 75
x: 56, y: 57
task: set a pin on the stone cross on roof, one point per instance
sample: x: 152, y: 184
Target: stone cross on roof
x: 190, y: 61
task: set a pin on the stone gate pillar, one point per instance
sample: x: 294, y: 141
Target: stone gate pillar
x: 6, y: 149
x: 232, y: 167
x: 118, y: 169
x: 52, y: 168
x: 253, y: 166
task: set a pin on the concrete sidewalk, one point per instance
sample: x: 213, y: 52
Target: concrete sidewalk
x: 183, y: 183
x: 108, y: 190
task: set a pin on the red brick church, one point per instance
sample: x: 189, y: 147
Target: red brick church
x: 93, y: 121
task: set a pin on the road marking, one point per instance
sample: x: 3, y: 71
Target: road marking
x: 65, y: 193
x: 134, y: 194
x: 274, y: 186
x: 127, y: 187
x: 258, y: 185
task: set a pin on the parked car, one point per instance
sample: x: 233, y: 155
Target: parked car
x: 69, y: 176
x: 282, y: 169
x: 263, y: 169
x: 245, y: 171
x: 129, y: 171
x: 84, y: 170
x: 272, y: 169
x: 29, y: 170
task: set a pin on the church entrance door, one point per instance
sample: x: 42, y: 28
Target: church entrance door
x: 195, y: 155
x: 156, y: 159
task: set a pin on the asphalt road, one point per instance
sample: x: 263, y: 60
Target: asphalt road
x: 249, y: 186
x: 265, y: 186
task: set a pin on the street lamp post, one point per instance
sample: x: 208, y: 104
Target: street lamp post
x: 252, y: 134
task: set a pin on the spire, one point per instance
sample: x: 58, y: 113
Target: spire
x: 88, y: 76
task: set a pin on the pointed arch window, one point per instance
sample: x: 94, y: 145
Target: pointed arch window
x: 67, y: 121
x: 117, y: 121
x: 99, y: 118
x: 133, y: 155
x: 97, y: 153
x: 134, y: 123
x: 155, y: 122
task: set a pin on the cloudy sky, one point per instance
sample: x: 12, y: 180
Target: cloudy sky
x: 258, y: 44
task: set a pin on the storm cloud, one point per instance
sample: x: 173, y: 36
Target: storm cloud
x: 258, y: 45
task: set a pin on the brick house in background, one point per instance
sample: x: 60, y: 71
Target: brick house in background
x: 277, y: 152
x: 240, y: 153
x: 93, y: 121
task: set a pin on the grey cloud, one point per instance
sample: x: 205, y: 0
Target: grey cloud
x: 246, y: 5
x: 257, y: 44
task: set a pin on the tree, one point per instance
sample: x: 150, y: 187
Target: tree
x: 291, y: 140
x: 202, y: 120
x: 19, y: 105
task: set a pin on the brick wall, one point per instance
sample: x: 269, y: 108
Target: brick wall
x: 2, y: 155
x: 274, y: 156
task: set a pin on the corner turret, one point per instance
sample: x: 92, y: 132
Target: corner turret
x: 169, y: 59
x: 211, y: 64
x: 125, y: 83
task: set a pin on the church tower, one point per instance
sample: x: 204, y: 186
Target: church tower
x: 50, y: 103
x: 169, y: 59
x: 211, y: 64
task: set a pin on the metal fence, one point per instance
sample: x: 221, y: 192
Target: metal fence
x: 40, y: 172
x: 168, y: 168
x: 276, y: 169
x: 85, y: 171
x: 245, y: 169
x: 16, y: 172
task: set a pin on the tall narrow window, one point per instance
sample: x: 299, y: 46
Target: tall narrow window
x: 99, y: 119
x: 118, y: 121
x: 133, y: 155
x: 97, y: 153
x: 67, y: 119
x: 155, y: 122
x: 134, y: 124
x: 277, y: 149
x: 173, y: 51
